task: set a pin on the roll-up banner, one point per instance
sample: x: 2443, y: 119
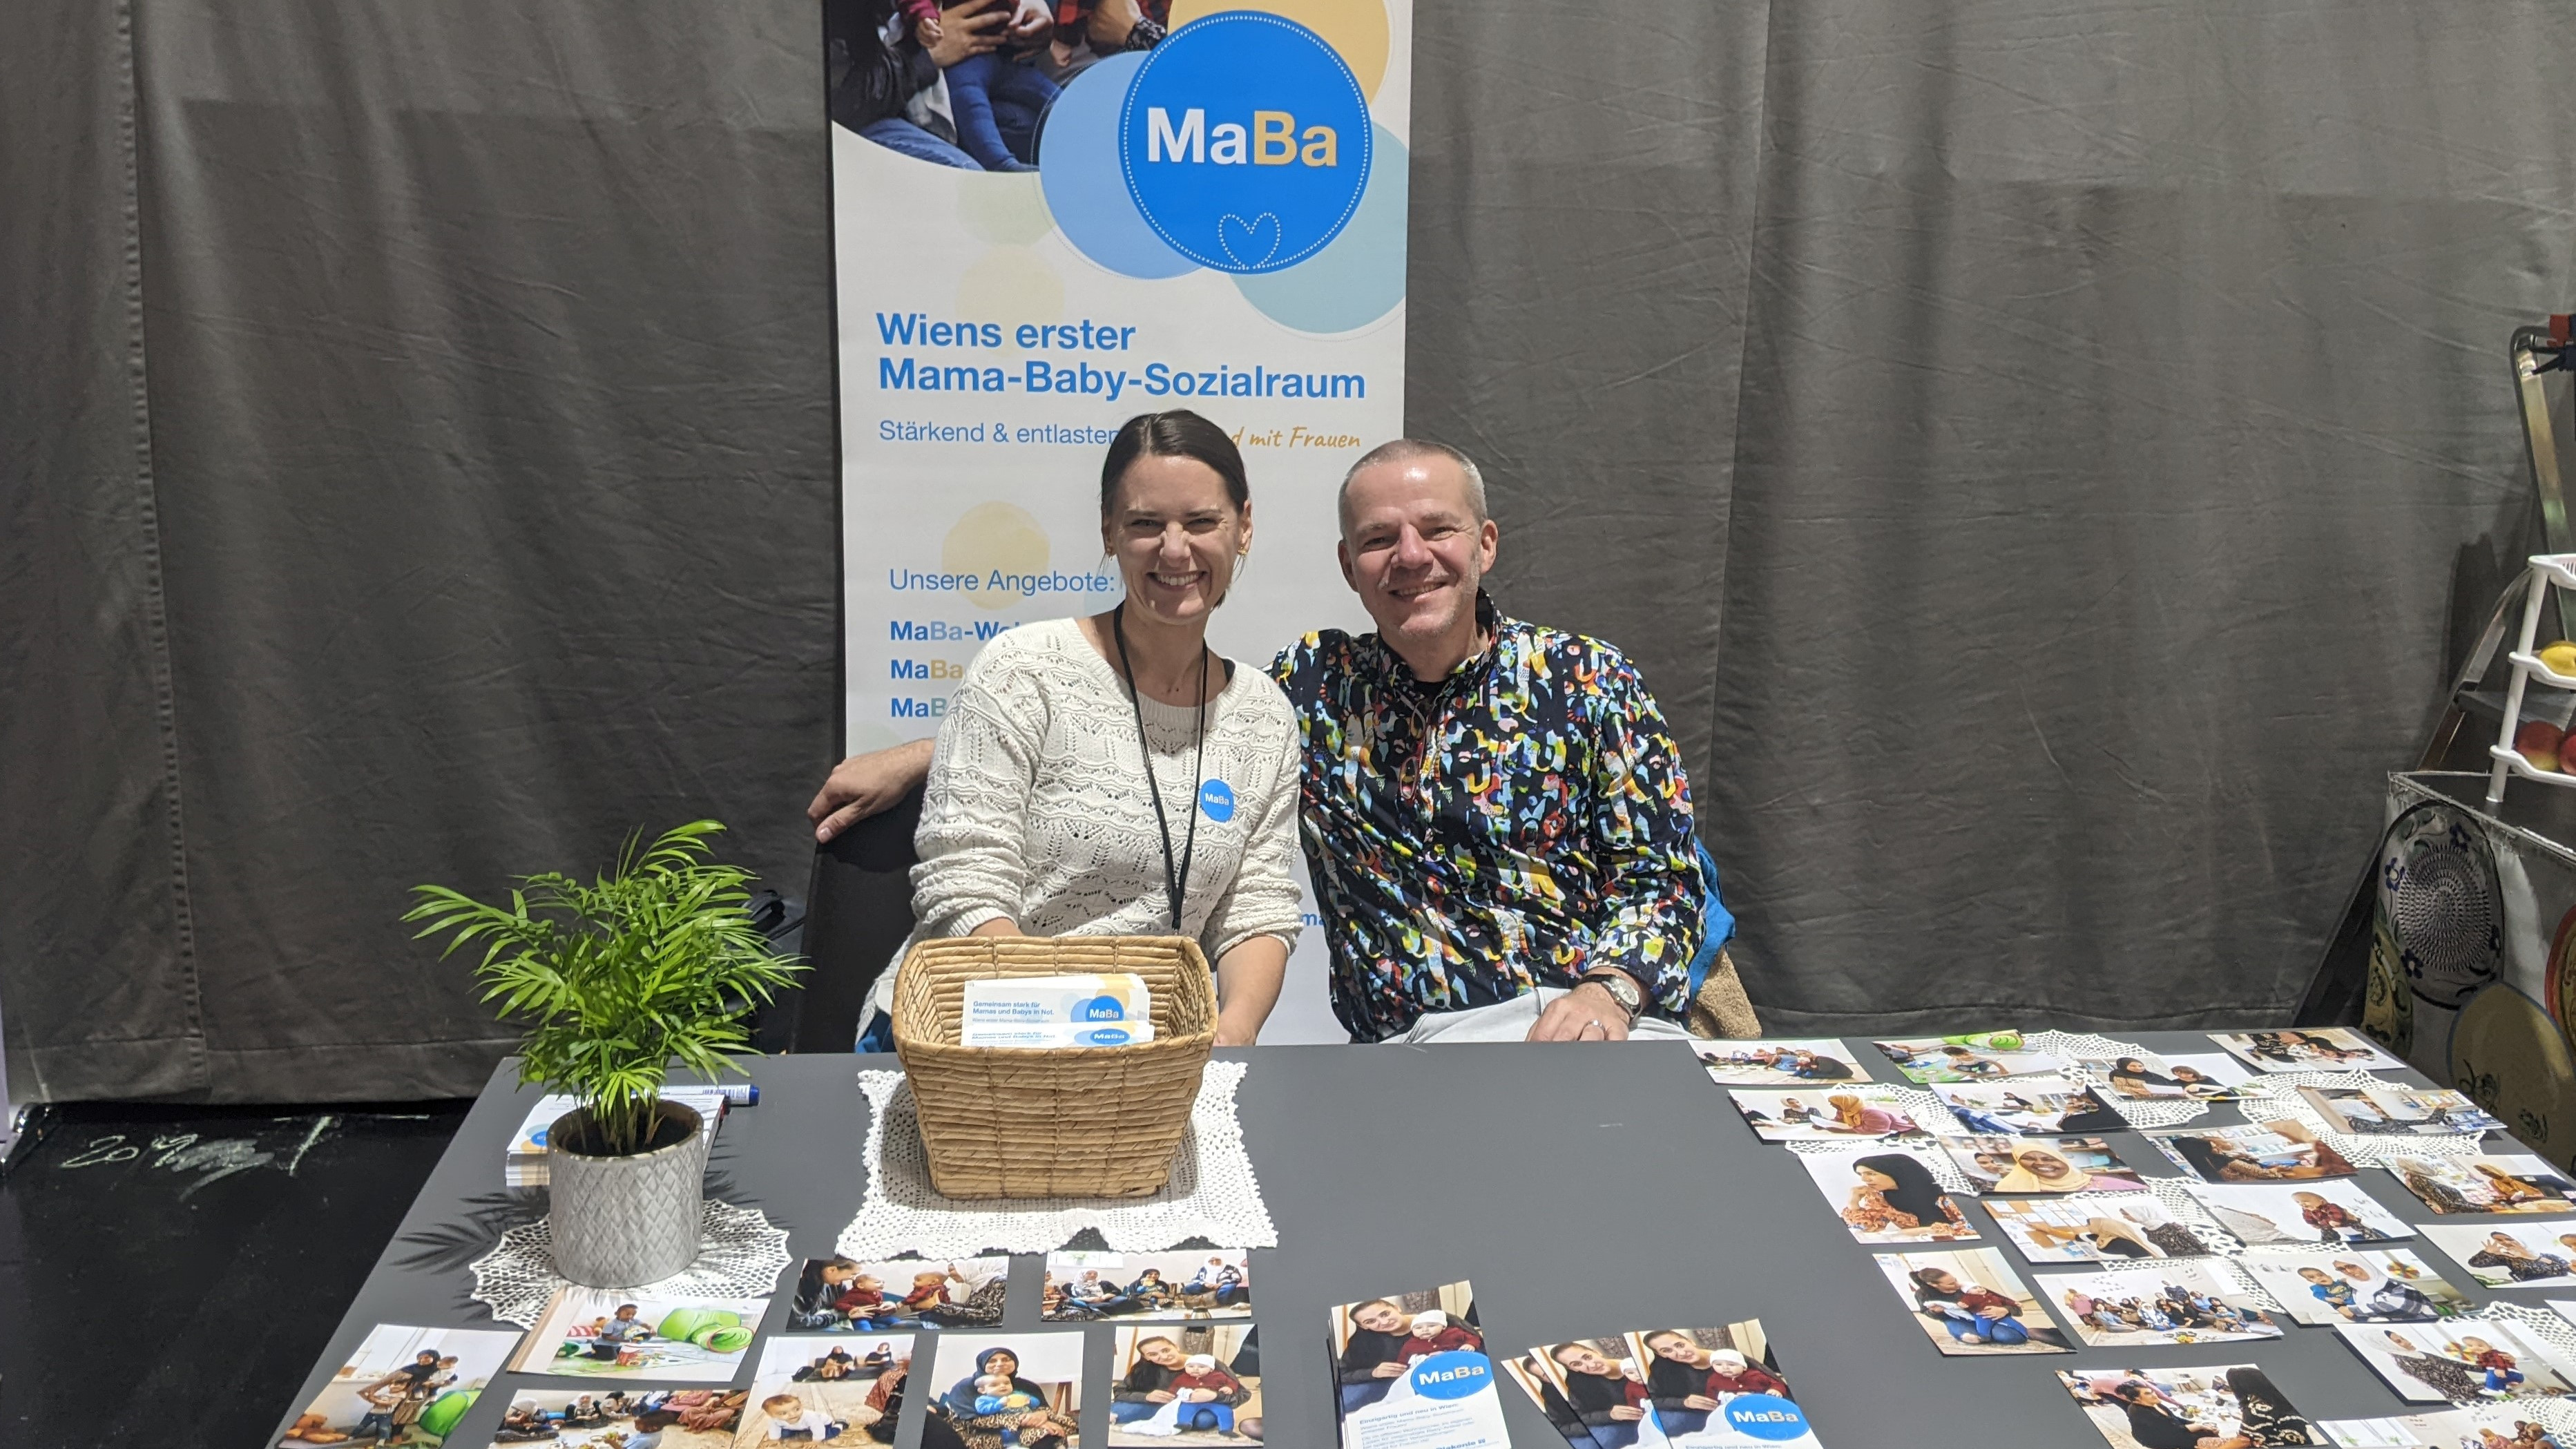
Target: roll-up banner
x: 1215, y: 221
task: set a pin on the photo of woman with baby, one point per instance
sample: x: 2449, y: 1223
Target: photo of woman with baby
x: 843, y: 1295
x: 965, y: 85
x: 1020, y: 1391
x: 1692, y: 1372
x: 1888, y: 1197
x: 1605, y: 1383
x: 1380, y: 1338
x: 1186, y: 1385
x: 1084, y: 1287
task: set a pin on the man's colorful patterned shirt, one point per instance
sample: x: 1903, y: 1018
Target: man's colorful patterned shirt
x: 1510, y: 826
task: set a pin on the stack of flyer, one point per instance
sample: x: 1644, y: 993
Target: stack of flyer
x: 1057, y: 1011
x: 525, y: 1164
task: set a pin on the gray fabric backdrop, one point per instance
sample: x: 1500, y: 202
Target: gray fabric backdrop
x: 2025, y: 447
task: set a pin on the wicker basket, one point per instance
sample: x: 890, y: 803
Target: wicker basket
x: 1078, y: 1122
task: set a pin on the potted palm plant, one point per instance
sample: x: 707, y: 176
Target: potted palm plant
x: 655, y: 963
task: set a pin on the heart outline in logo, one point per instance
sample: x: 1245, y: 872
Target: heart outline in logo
x: 1265, y: 224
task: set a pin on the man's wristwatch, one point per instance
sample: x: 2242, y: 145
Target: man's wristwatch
x: 1621, y: 989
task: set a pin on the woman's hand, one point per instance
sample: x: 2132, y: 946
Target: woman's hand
x: 1198, y: 1396
x: 1387, y: 1371
x: 1627, y: 1413
x: 1701, y: 1402
x: 1039, y: 21
x: 1248, y: 979
x: 967, y: 29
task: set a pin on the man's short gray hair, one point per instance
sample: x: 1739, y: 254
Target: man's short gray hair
x: 1405, y: 448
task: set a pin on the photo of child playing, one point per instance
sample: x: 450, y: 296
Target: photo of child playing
x: 636, y: 1418
x: 403, y: 1386
x: 1081, y: 1287
x: 1185, y: 1385
x: 1979, y: 1058
x: 1779, y: 1063
x: 843, y: 1295
x: 616, y: 1333
x: 1969, y: 1301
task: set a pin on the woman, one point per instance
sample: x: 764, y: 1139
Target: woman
x: 2332, y: 1221
x: 2156, y: 1425
x: 2045, y: 1169
x: 1973, y: 1315
x: 2511, y: 1191
x: 1374, y: 1355
x: 886, y: 1398
x: 1038, y: 1427
x: 1111, y: 775
x: 2132, y: 1077
x: 1900, y: 1195
x: 1598, y: 1390
x: 2504, y: 1250
x: 1679, y: 1381
x: 1148, y: 1384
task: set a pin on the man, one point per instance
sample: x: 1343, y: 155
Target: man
x: 1494, y: 815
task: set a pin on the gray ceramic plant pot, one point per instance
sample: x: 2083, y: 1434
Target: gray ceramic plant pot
x: 621, y: 1222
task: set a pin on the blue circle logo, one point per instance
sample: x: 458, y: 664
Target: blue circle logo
x: 1216, y: 797
x: 1245, y: 141
x: 1764, y: 1416
x: 1451, y: 1375
x: 1100, y: 1008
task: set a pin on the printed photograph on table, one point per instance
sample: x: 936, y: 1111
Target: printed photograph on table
x: 2308, y: 1049
x: 1888, y: 1194
x: 2355, y: 1285
x: 2525, y: 1253
x: 618, y: 1333
x: 1844, y: 1113
x: 1007, y: 1390
x: 685, y: 1418
x: 2514, y: 1182
x: 2236, y: 1406
x: 2193, y: 1301
x: 1784, y: 1063
x: 2207, y: 1077
x: 2464, y: 1361
x: 1081, y: 1287
x: 1545, y: 1389
x: 828, y: 1387
x: 843, y: 1295
x: 1185, y: 1384
x: 2093, y: 1230
x: 2023, y: 1165
x: 2281, y: 1151
x: 1604, y: 1381
x: 405, y: 1383
x: 2045, y: 1105
x: 1969, y: 1301
x: 2285, y: 1215
x: 2495, y: 1426
x: 1979, y: 1057
x: 1410, y: 1370
x: 2392, y: 1111
x: 1718, y: 1386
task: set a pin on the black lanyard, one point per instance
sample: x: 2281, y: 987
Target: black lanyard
x: 1176, y: 883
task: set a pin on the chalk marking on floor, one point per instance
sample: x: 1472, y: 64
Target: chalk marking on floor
x: 306, y: 1146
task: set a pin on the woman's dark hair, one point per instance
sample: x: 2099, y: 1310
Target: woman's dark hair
x: 2202, y: 1158
x: 1179, y: 433
x: 1917, y: 1193
x: 1925, y: 1290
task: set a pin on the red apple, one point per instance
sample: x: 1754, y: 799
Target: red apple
x: 2538, y: 740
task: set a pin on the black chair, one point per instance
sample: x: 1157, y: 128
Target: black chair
x: 858, y: 911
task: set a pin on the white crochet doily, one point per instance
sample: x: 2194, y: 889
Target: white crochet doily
x: 739, y: 1256
x: 2076, y: 1048
x: 1213, y: 1193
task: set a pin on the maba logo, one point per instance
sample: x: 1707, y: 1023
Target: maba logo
x: 1451, y: 1375
x: 1761, y: 1416
x: 1245, y: 142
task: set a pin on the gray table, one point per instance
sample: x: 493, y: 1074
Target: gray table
x: 1585, y: 1190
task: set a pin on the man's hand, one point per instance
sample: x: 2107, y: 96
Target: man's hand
x: 865, y: 785
x: 1587, y: 1013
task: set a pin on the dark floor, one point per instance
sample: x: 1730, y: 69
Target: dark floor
x: 159, y: 1256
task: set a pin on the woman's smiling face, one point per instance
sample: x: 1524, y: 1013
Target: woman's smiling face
x: 1003, y: 1362
x: 2047, y: 1166
x: 1175, y: 533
